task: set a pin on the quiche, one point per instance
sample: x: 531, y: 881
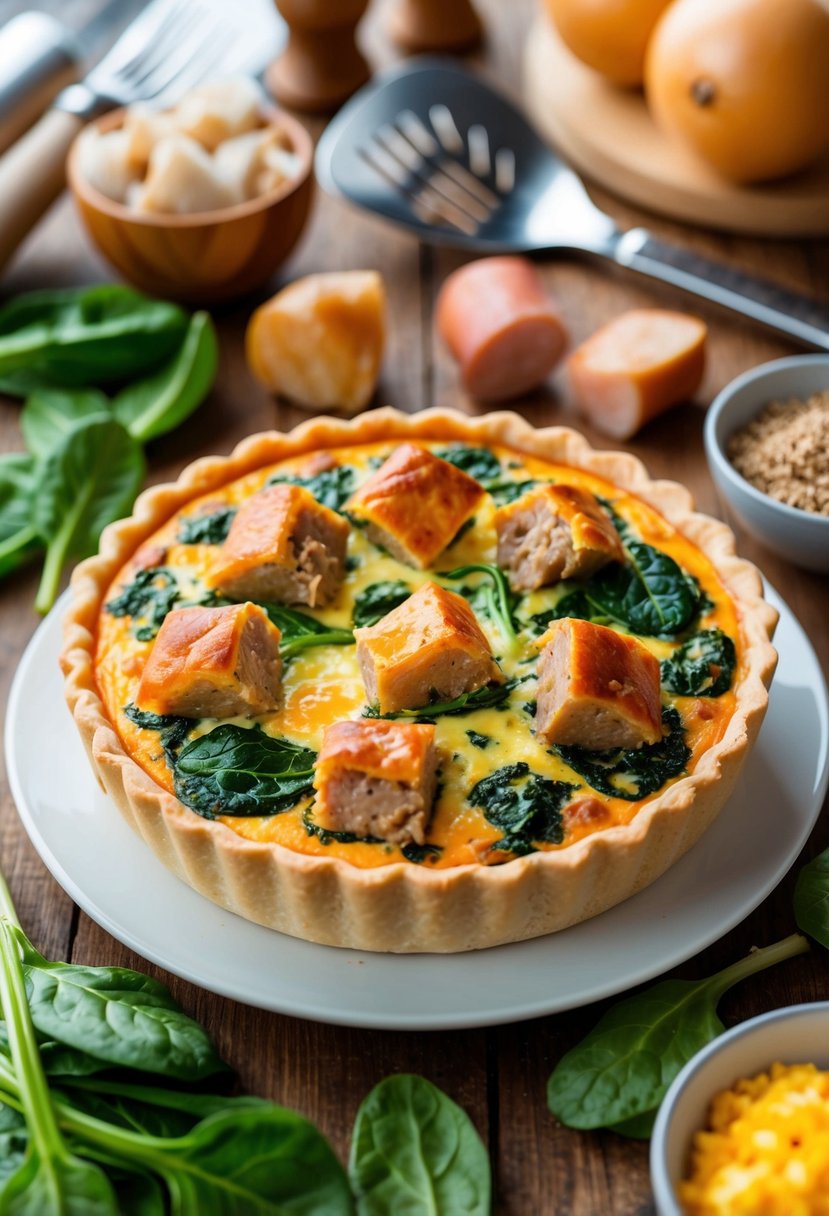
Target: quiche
x: 418, y: 683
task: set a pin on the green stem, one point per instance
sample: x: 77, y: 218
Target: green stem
x: 32, y: 1087
x: 7, y: 907
x: 335, y: 637
x: 18, y: 540
x: 55, y: 558
x: 758, y: 960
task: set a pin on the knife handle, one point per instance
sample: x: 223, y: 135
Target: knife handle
x: 32, y: 175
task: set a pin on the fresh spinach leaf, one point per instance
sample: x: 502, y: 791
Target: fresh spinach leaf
x: 87, y: 481
x: 116, y: 1015
x: 19, y: 539
x: 621, y: 1070
x: 50, y: 414
x: 480, y: 463
x: 147, y: 599
x: 237, y: 771
x: 49, y: 1180
x: 83, y: 336
x: 172, y: 730
x: 414, y: 1150
x: 488, y: 697
x: 525, y: 806
x: 702, y: 667
x: 208, y: 529
x: 811, y: 899
x: 331, y: 487
x: 479, y: 740
x: 155, y: 405
x: 378, y: 600
x: 632, y: 773
x: 14, y: 1142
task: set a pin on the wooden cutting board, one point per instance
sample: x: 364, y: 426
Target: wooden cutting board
x: 607, y: 134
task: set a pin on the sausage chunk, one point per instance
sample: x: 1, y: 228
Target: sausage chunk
x: 213, y: 663
x: 414, y: 504
x: 431, y: 644
x: 377, y: 778
x: 554, y: 532
x: 596, y: 688
x: 282, y: 545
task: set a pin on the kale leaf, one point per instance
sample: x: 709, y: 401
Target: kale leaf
x: 238, y: 771
x: 147, y: 599
x: 376, y: 601
x: 525, y: 806
x: 632, y: 773
x: 209, y: 529
x: 331, y: 487
x: 702, y: 667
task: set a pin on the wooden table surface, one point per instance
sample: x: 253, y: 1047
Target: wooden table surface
x: 497, y: 1074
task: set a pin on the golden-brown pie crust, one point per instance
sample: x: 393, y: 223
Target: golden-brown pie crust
x: 403, y: 907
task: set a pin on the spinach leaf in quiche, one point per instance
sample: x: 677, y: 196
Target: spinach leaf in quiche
x: 299, y: 630
x: 208, y: 529
x: 238, y: 771
x: 489, y: 697
x: 331, y: 487
x: 486, y: 469
x: 632, y: 773
x: 377, y: 600
x: 478, y: 740
x: 525, y: 806
x: 147, y: 599
x: 702, y: 667
x: 172, y: 730
x: 493, y: 596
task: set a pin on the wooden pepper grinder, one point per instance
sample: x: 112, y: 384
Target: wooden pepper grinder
x: 321, y: 65
x: 435, y: 25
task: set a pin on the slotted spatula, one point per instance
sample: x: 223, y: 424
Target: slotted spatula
x: 431, y: 146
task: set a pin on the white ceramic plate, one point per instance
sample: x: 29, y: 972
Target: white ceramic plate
x: 115, y: 878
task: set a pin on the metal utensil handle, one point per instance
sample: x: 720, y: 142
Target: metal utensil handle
x: 794, y: 315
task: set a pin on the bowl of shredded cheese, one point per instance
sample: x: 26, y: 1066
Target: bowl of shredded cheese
x: 767, y: 442
x: 744, y: 1128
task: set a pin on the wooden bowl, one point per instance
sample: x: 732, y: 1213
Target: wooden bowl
x: 207, y: 256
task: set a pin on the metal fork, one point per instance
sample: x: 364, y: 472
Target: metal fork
x: 170, y: 47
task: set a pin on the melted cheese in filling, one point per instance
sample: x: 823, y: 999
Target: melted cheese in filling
x: 323, y: 685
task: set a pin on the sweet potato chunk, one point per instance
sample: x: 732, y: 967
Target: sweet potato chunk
x: 283, y: 545
x: 596, y: 688
x: 414, y: 504
x: 377, y: 778
x: 213, y: 663
x: 554, y: 532
x: 431, y: 644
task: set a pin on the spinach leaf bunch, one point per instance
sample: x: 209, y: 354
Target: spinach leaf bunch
x: 492, y: 596
x: 300, y: 630
x: 147, y: 599
x: 635, y: 772
x: 524, y: 805
x: 378, y: 600
x: 209, y: 528
x: 105, y: 1111
x: 332, y: 487
x: 85, y: 461
x: 701, y: 667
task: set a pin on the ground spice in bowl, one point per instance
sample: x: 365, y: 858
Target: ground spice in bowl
x: 784, y: 452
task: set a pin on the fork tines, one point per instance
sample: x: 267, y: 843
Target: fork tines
x: 449, y: 180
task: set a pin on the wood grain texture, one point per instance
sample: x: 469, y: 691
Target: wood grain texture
x: 498, y: 1075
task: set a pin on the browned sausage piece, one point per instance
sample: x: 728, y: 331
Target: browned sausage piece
x: 414, y: 504
x: 432, y: 643
x: 554, y: 532
x: 596, y: 688
x: 377, y: 778
x: 283, y: 545
x: 213, y: 663
x: 501, y: 326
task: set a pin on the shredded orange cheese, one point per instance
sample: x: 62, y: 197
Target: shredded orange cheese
x: 766, y: 1149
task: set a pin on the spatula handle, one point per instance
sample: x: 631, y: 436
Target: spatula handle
x: 32, y: 175
x: 797, y: 316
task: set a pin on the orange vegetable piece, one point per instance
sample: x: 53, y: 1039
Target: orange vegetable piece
x: 501, y: 326
x: 636, y: 367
